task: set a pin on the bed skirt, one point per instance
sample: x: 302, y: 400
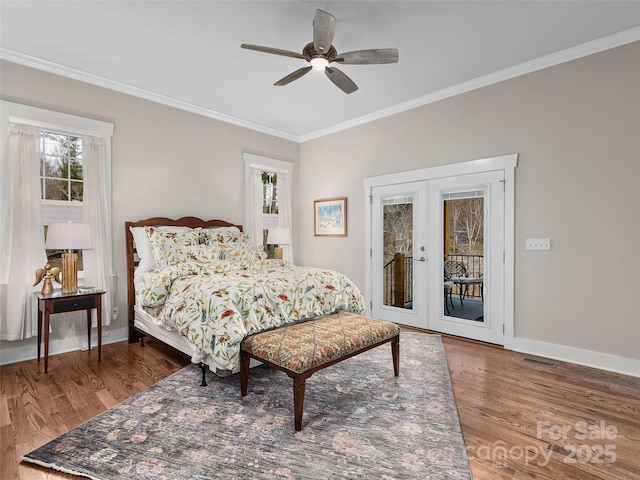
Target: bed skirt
x: 148, y: 325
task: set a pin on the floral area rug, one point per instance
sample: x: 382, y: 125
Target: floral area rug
x: 359, y: 422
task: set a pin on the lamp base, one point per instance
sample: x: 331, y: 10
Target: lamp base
x: 69, y: 272
x: 278, y: 253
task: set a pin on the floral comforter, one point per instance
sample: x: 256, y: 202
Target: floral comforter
x: 216, y: 305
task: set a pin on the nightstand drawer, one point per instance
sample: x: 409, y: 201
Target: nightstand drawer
x: 75, y: 304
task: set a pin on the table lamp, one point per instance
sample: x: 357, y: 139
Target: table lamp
x: 277, y: 237
x: 69, y: 236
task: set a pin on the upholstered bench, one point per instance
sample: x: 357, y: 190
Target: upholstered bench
x: 302, y: 349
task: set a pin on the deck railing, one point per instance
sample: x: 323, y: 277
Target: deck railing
x: 398, y: 277
x: 398, y: 281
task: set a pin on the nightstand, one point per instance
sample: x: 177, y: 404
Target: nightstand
x: 58, y: 302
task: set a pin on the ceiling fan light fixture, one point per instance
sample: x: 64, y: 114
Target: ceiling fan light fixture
x: 320, y: 54
x: 319, y: 63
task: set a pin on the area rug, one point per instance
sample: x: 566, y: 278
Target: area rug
x: 359, y: 422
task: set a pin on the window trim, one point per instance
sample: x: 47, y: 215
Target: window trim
x: 56, y: 122
x: 62, y: 203
x: 266, y: 164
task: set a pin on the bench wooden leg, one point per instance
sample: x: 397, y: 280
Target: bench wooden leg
x: 244, y: 372
x: 395, y: 352
x: 298, y: 400
x: 300, y: 378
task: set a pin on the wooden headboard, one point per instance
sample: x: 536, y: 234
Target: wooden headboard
x: 132, y: 261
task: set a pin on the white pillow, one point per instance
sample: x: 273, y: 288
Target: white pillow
x: 143, y: 247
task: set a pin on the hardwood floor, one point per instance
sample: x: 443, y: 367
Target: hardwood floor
x: 520, y: 419
x: 38, y: 407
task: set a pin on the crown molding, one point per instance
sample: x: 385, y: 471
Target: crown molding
x: 50, y: 67
x: 562, y: 56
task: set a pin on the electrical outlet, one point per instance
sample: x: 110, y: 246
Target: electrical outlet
x: 538, y: 244
x: 114, y: 313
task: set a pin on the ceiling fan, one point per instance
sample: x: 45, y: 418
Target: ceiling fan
x: 321, y: 54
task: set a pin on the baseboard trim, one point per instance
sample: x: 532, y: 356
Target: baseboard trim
x: 23, y: 350
x: 20, y: 351
x: 587, y: 358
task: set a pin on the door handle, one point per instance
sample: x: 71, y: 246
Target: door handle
x: 421, y: 259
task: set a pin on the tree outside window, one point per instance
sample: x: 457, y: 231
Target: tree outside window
x: 466, y: 226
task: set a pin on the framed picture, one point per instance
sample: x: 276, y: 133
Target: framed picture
x: 330, y: 217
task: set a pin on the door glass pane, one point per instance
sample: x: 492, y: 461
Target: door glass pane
x: 464, y: 272
x: 397, y: 264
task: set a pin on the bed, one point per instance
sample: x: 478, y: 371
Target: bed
x: 201, y: 288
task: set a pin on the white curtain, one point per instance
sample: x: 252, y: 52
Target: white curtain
x: 22, y: 234
x: 96, y: 211
x: 256, y: 223
x: 284, y: 211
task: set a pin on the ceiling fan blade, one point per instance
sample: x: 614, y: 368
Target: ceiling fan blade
x: 342, y: 81
x: 275, y: 51
x: 368, y: 57
x: 293, y: 76
x: 324, y: 27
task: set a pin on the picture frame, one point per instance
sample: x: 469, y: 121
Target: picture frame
x: 330, y: 217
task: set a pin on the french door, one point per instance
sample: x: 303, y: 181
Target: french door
x: 466, y: 261
x: 399, y: 253
x: 437, y: 251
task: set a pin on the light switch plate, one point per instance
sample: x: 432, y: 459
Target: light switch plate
x: 538, y: 244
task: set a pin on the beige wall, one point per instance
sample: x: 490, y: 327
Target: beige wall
x: 165, y: 161
x: 576, y: 128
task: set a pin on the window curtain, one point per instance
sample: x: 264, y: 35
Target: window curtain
x: 284, y: 211
x: 256, y: 223
x: 96, y: 211
x: 22, y: 234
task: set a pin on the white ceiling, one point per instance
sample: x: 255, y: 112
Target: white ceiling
x: 187, y: 53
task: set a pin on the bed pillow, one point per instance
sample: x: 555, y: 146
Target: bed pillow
x: 164, y: 244
x: 213, y: 236
x: 242, y: 252
x: 146, y: 262
x: 201, y: 254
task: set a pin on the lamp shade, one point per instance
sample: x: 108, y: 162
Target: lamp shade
x: 279, y: 236
x: 68, y: 236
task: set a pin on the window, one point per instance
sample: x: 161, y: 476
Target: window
x: 61, y: 184
x: 270, y: 193
x: 61, y: 167
x: 51, y: 189
x: 267, y: 197
x: 269, y: 208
